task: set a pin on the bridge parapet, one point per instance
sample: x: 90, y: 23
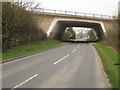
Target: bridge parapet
x: 71, y: 13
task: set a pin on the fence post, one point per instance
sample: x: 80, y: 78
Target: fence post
x: 101, y: 16
x: 65, y: 12
x: 85, y: 14
x: 75, y: 13
x: 110, y: 17
x: 43, y: 10
x: 93, y: 15
x: 55, y: 11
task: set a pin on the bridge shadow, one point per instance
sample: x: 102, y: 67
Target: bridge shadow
x: 81, y: 41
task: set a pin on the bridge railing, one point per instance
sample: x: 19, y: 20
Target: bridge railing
x: 99, y: 16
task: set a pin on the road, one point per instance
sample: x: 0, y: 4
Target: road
x: 69, y: 66
x: 81, y: 39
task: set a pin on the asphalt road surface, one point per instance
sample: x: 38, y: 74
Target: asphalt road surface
x: 69, y: 66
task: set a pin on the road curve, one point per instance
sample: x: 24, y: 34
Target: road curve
x: 69, y: 66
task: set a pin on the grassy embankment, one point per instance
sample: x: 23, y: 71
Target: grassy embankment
x: 110, y: 62
x: 30, y: 49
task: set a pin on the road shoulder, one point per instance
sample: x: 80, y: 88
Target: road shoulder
x: 102, y: 68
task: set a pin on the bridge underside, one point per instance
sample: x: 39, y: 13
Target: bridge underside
x: 60, y: 27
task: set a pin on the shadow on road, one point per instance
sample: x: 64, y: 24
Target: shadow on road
x: 81, y: 41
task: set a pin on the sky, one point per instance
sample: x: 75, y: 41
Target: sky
x: 105, y: 7
x: 79, y: 29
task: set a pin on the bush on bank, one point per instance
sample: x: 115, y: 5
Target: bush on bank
x: 18, y: 25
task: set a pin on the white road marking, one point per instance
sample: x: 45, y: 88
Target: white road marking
x: 61, y: 59
x: 26, y: 81
x: 74, y: 50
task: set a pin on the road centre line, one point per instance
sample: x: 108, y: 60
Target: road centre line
x: 26, y: 81
x: 74, y: 50
x: 62, y: 59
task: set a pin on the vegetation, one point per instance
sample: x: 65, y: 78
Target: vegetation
x: 30, y: 49
x: 92, y: 36
x: 111, y: 55
x: 79, y: 35
x: 68, y: 34
x: 110, y: 62
x: 18, y: 25
x: 20, y: 33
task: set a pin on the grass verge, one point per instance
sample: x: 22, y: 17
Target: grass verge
x: 110, y: 60
x: 30, y: 49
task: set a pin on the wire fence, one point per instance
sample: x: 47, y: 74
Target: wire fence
x: 91, y: 15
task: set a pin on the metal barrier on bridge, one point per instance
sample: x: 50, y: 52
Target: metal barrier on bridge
x: 98, y: 16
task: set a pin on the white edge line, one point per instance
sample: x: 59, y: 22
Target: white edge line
x: 26, y: 81
x: 61, y: 59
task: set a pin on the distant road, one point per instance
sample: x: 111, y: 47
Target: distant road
x: 69, y: 66
x: 81, y: 39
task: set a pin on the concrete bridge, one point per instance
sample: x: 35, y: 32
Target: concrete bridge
x: 54, y: 22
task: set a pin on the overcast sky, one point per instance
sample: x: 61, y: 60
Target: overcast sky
x: 106, y: 7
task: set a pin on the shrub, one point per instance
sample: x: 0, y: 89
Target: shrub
x: 18, y: 25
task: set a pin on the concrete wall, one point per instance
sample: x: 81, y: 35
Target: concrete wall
x: 44, y: 21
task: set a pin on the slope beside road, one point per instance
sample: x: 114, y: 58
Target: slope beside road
x: 69, y: 66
